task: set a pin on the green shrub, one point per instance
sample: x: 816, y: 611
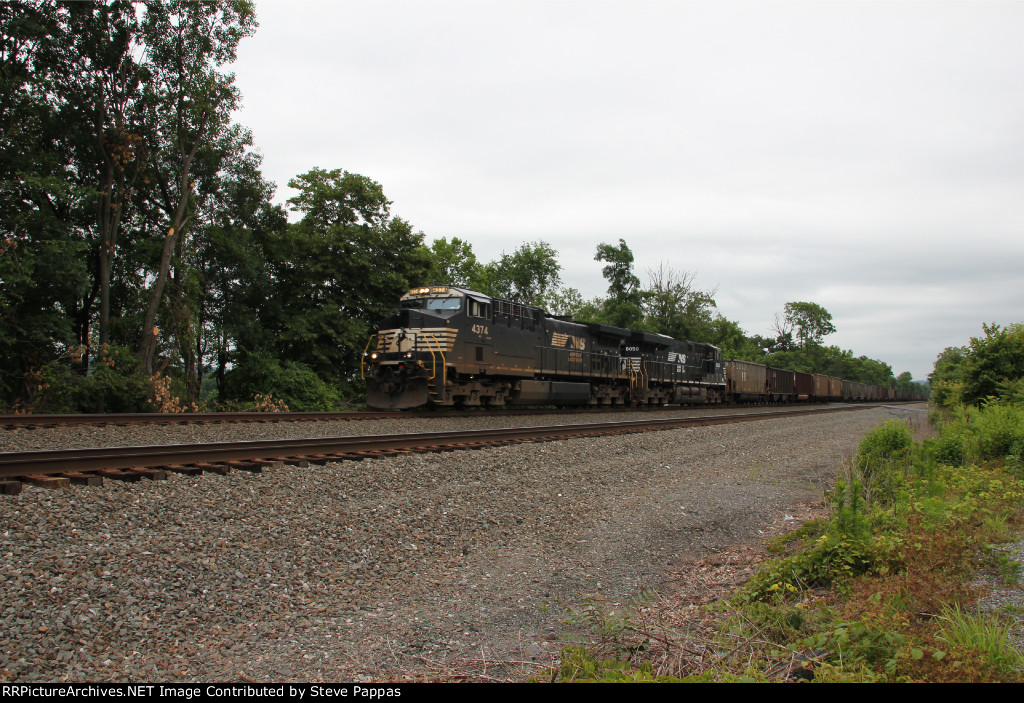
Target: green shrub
x: 294, y: 383
x: 948, y: 448
x: 889, y: 441
x: 57, y: 389
x: 947, y: 395
x: 115, y: 383
x: 998, y: 431
x: 972, y: 434
x: 830, y: 560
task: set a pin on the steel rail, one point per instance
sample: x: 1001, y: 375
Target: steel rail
x: 104, y: 419
x: 50, y: 462
x: 101, y: 419
x: 28, y: 421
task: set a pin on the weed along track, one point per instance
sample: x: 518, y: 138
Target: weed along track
x: 58, y: 468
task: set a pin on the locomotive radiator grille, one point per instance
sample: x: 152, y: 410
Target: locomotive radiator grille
x: 424, y: 339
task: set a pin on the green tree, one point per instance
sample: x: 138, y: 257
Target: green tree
x: 734, y: 343
x: 188, y: 100
x: 338, y: 198
x: 950, y: 365
x: 996, y: 358
x: 674, y: 307
x: 454, y: 263
x: 525, y: 276
x: 108, y: 108
x: 99, y: 85
x: 810, y: 321
x: 905, y: 383
x: 220, y: 262
x: 569, y: 302
x: 624, y: 305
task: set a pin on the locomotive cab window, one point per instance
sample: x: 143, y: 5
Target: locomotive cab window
x: 478, y: 309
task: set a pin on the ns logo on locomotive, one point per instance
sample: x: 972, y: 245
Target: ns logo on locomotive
x: 454, y: 346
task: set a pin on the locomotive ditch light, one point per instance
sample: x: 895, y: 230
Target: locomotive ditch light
x: 373, y: 355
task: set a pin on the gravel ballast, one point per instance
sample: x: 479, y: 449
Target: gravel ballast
x: 385, y: 568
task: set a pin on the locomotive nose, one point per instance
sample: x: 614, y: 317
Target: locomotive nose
x: 412, y: 319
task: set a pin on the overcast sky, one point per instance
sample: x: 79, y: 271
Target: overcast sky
x: 865, y: 156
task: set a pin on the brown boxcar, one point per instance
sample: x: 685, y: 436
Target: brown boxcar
x: 780, y: 385
x: 746, y: 381
x: 835, y: 388
x: 820, y: 386
x: 803, y: 385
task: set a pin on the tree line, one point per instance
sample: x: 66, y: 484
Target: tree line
x: 143, y: 264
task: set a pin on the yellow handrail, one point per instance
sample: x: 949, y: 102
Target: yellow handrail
x: 433, y: 360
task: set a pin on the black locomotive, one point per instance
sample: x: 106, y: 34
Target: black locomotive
x: 454, y: 346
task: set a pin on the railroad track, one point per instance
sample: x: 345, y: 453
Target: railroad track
x: 11, y: 422
x: 59, y: 468
x: 29, y: 422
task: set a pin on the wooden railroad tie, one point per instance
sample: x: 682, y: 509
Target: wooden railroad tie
x: 121, y: 474
x: 10, y: 488
x: 152, y: 474
x: 46, y: 481
x: 220, y: 469
x: 252, y: 466
x: 184, y: 470
x: 82, y: 479
x: 270, y: 462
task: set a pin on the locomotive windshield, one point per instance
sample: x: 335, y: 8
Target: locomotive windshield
x: 444, y: 303
x: 433, y: 304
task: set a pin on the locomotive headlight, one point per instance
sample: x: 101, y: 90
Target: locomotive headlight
x: 408, y: 355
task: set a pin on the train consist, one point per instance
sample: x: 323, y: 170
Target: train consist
x: 448, y: 345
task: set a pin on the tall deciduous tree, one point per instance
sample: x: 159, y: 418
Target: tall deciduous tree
x: 107, y: 107
x: 811, y: 322
x: 624, y: 305
x: 189, y: 100
x: 526, y: 275
x: 219, y: 258
x: 676, y: 308
x: 454, y: 263
x: 100, y: 88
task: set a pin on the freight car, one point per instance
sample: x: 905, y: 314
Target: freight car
x: 449, y: 345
